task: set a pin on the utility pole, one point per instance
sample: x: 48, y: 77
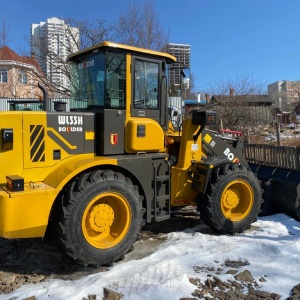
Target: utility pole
x: 277, y: 127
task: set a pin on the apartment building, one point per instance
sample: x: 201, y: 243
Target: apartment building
x: 285, y: 94
x: 182, y: 52
x: 52, y: 41
x: 19, y: 75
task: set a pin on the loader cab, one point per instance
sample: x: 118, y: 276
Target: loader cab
x: 126, y: 88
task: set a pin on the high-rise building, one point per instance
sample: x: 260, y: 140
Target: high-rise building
x: 182, y: 52
x: 51, y: 42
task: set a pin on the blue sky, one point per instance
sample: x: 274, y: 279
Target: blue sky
x: 228, y: 38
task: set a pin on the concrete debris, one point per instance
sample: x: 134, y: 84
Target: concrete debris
x: 111, y: 295
x: 243, y: 287
x: 244, y: 276
x: 11, y: 281
x: 218, y: 289
x: 295, y: 293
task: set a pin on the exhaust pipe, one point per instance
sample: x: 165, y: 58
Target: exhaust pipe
x: 46, y: 98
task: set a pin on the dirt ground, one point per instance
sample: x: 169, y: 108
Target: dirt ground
x: 24, y: 261
x: 262, y: 137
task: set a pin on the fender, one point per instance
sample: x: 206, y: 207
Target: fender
x: 26, y: 214
x: 74, y: 165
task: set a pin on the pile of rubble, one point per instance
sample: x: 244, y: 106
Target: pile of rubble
x: 241, y: 286
x: 289, y: 137
x: 11, y: 281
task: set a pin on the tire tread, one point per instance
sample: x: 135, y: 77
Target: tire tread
x: 208, y: 211
x: 70, y: 196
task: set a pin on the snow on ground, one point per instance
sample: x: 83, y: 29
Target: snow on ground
x: 271, y: 248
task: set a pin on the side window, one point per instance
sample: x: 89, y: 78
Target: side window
x: 22, y: 76
x: 3, y: 75
x: 87, y: 82
x: 115, y: 80
x: 98, y: 81
x: 146, y: 75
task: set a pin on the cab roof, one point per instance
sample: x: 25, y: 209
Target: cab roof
x: 125, y: 48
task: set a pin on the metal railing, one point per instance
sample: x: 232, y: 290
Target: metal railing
x: 5, y: 103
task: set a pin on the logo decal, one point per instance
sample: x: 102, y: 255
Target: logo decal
x: 229, y: 155
x: 70, y: 123
x: 70, y: 120
x: 86, y: 64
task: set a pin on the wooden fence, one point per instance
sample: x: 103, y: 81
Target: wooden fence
x: 274, y: 156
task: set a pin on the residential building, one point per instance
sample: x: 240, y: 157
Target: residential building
x: 182, y: 52
x: 240, y: 111
x: 52, y: 41
x: 286, y: 94
x: 19, y: 75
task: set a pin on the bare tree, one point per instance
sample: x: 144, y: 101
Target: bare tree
x: 4, y: 33
x: 79, y: 34
x: 52, y: 63
x: 152, y: 34
x: 234, y: 100
x: 128, y: 25
x: 140, y: 26
x: 190, y: 91
x: 242, y: 85
x: 90, y: 32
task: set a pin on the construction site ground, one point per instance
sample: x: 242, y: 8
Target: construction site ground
x: 25, y: 261
x: 289, y: 137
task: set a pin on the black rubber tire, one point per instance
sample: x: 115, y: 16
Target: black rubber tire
x: 210, y: 206
x: 68, y: 212
x: 268, y: 208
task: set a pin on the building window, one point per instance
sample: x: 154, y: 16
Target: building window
x: 3, y: 75
x: 22, y: 77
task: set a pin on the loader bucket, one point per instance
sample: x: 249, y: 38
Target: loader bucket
x: 281, y: 189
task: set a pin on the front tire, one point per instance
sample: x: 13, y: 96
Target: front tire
x: 232, y: 201
x: 98, y: 218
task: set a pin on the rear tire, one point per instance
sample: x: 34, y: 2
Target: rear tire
x: 232, y: 201
x: 98, y: 218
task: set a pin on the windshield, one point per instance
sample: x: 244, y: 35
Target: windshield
x: 98, y: 81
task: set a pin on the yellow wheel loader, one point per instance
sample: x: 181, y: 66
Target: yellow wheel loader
x: 97, y: 173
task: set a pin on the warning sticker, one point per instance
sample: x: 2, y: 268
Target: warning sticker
x: 207, y: 138
x: 195, y: 147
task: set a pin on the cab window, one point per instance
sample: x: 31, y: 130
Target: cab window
x: 146, y: 75
x: 98, y: 81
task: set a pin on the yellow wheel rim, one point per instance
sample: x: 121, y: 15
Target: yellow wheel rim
x: 106, y: 220
x: 237, y: 200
